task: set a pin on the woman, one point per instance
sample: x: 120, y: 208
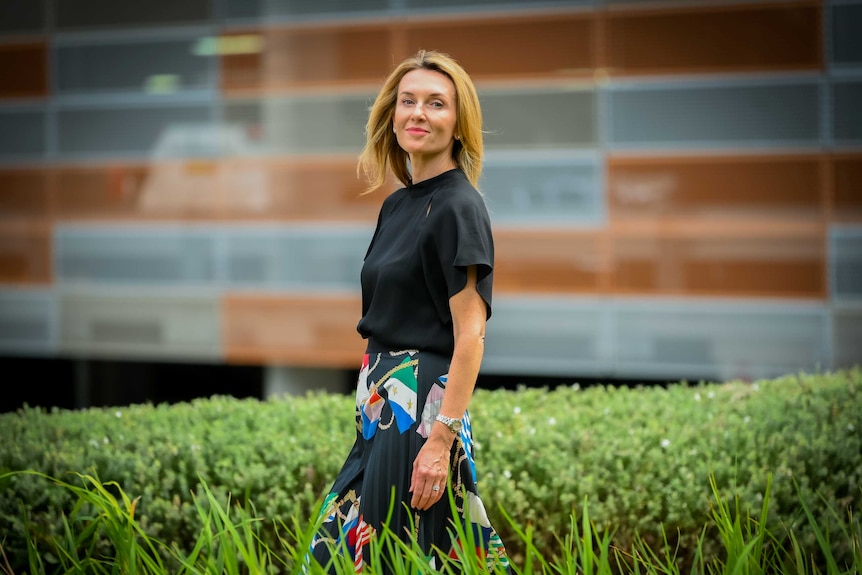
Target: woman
x: 426, y: 295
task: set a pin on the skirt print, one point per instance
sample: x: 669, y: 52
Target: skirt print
x: 398, y: 395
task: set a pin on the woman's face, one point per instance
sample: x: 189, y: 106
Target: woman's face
x: 425, y: 113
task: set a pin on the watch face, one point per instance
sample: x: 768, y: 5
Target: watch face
x: 456, y: 426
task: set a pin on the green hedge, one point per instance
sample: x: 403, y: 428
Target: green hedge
x: 641, y: 457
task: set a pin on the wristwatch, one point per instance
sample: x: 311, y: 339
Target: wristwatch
x: 453, y: 424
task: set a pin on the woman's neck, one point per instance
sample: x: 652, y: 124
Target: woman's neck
x: 422, y: 168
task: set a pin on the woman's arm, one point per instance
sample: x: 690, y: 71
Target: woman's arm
x: 431, y: 466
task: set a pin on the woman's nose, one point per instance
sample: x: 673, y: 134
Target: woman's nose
x: 418, y: 111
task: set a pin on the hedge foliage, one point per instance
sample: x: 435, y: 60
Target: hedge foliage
x: 642, y: 458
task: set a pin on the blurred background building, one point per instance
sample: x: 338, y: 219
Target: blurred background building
x: 675, y: 186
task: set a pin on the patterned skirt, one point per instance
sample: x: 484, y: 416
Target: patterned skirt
x: 398, y: 395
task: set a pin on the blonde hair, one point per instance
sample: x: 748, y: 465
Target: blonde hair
x: 382, y: 152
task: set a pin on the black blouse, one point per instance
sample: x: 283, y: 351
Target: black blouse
x: 427, y: 235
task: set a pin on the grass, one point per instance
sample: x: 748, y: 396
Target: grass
x: 102, y: 536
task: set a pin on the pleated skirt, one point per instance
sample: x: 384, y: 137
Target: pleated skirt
x: 398, y: 396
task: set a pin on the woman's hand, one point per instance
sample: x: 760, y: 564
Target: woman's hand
x: 431, y: 466
x: 430, y: 470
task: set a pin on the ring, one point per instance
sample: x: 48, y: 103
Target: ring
x: 435, y: 488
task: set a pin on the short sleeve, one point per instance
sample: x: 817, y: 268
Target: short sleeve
x: 464, y: 239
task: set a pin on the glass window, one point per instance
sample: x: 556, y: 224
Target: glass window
x: 299, y: 258
x: 548, y: 336
x: 325, y: 124
x: 718, y: 340
x: 27, y: 321
x: 846, y: 39
x: 140, y: 324
x: 22, y: 132
x: 116, y: 255
x: 846, y: 263
x: 157, y: 67
x: 847, y: 111
x: 168, y: 130
x: 846, y: 335
x: 551, y: 119
x: 539, y: 190
x: 719, y: 115
x: 264, y: 9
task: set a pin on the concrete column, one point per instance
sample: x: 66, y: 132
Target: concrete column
x: 283, y: 380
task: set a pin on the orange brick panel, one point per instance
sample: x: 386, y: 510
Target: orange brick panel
x: 293, y: 57
x: 539, y: 261
x: 309, y: 190
x: 553, y: 45
x: 166, y: 190
x: 25, y: 254
x: 237, y: 189
x: 847, y: 188
x: 745, y: 266
x: 300, y: 330
x: 23, y: 194
x: 780, y: 36
x: 24, y: 70
x: 753, y: 186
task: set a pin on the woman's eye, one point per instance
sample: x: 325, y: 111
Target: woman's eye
x: 436, y: 104
x: 407, y: 102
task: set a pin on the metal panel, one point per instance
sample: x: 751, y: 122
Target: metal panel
x: 140, y: 255
x: 754, y: 185
x: 846, y: 40
x: 847, y: 111
x: 312, y: 330
x: 539, y: 119
x: 542, y: 189
x: 22, y: 132
x: 76, y: 14
x: 705, y: 38
x: 756, y: 114
x: 548, y: 336
x: 154, y: 66
x: 22, y: 16
x: 719, y: 339
x: 27, y: 322
x: 301, y: 125
x: 533, y: 44
x: 140, y: 324
x: 297, y: 258
x: 169, y: 130
x: 845, y: 261
x: 277, y: 60
x: 24, y: 70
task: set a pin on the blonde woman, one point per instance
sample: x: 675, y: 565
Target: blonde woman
x: 426, y: 295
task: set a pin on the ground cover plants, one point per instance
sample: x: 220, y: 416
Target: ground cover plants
x: 737, y: 477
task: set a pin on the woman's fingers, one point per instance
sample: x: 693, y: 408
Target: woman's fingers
x: 428, y: 486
